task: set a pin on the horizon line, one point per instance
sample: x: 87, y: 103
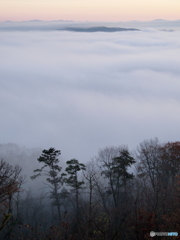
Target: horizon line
x: 39, y: 20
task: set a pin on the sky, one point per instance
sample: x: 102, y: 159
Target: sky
x: 89, y: 10
x: 79, y: 92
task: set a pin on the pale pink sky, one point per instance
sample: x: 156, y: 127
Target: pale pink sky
x: 92, y: 10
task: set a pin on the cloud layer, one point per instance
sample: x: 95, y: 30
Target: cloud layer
x: 79, y: 92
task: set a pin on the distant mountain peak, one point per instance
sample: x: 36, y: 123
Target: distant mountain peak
x: 34, y: 20
x: 7, y: 21
x: 159, y: 20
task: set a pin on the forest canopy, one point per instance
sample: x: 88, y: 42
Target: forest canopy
x: 118, y: 194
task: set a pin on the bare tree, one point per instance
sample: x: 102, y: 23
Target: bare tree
x: 11, y: 181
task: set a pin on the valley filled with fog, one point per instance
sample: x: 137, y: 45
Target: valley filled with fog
x: 80, y: 91
x: 95, y: 91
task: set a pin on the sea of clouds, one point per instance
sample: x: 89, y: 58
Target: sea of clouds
x: 79, y: 92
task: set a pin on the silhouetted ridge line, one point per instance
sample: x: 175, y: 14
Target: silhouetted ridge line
x: 99, y: 29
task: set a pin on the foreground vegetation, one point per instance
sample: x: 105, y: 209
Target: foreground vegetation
x: 118, y: 195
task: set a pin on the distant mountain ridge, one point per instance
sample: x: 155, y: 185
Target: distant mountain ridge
x: 88, y: 26
x: 99, y: 29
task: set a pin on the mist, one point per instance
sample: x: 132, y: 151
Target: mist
x: 100, y: 93
x: 79, y: 92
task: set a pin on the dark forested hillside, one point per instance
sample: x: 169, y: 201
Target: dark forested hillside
x: 119, y: 194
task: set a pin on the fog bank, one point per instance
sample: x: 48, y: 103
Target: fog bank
x: 79, y: 92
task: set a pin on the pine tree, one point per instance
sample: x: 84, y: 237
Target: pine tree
x: 50, y: 160
x: 120, y: 166
x: 72, y: 180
